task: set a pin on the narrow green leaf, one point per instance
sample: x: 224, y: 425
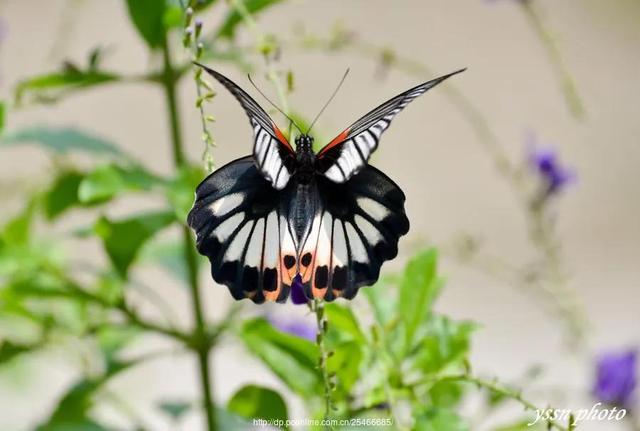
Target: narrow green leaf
x: 50, y: 87
x: 63, y: 195
x: 228, y: 27
x: 122, y: 239
x: 61, y: 140
x: 292, y: 359
x: 148, y: 17
x: 418, y: 289
x: 256, y: 402
x: 107, y: 181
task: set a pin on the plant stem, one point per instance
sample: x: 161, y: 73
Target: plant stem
x: 556, y: 59
x: 201, y: 344
x: 498, y: 389
x: 317, y: 306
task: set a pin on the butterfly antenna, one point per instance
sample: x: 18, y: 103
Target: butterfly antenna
x: 328, y: 101
x: 273, y: 104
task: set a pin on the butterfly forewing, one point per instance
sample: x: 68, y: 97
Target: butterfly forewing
x: 349, y: 152
x: 271, y: 150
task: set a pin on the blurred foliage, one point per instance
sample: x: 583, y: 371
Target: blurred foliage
x: 396, y: 358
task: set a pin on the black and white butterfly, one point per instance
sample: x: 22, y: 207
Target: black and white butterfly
x: 327, y: 220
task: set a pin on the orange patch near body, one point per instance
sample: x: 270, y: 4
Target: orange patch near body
x: 337, y: 140
x: 281, y: 137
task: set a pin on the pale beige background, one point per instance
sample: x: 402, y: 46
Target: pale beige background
x: 430, y: 151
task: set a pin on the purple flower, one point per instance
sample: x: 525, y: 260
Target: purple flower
x: 297, y: 291
x: 616, y: 377
x: 298, y: 327
x: 545, y: 162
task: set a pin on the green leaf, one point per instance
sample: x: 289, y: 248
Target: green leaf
x: 383, y: 305
x: 343, y: 323
x: 446, y: 394
x: 148, y: 17
x: 440, y: 420
x: 445, y: 343
x: 107, y: 181
x: 181, y: 190
x: 122, y: 239
x: 61, y: 140
x: 228, y: 27
x: 10, y: 350
x: 63, y: 195
x: 72, y: 411
x: 256, y: 402
x: 113, y: 339
x: 293, y: 359
x: 418, y: 289
x: 175, y: 409
x: 345, y: 362
x: 50, y: 87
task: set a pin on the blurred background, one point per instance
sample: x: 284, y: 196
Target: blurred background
x: 560, y: 77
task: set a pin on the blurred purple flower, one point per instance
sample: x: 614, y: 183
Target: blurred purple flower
x: 297, y: 291
x: 298, y: 327
x: 545, y: 162
x: 616, y: 377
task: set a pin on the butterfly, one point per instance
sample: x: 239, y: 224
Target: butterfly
x: 285, y: 215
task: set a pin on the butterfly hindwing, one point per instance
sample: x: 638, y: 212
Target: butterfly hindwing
x: 272, y: 153
x: 355, y: 230
x: 349, y: 152
x: 238, y: 219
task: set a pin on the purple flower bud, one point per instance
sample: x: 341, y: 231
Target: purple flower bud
x: 545, y: 162
x: 616, y: 378
x: 298, y: 296
x: 298, y: 327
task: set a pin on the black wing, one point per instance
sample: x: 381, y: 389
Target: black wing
x: 272, y: 153
x: 348, y: 152
x: 240, y: 225
x: 355, y: 230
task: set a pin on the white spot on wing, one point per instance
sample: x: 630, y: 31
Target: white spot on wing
x: 373, y: 208
x: 358, y: 251
x: 227, y: 227
x: 368, y: 230
x: 234, y: 252
x: 254, y: 251
x: 340, y: 256
x: 225, y: 204
x: 272, y: 242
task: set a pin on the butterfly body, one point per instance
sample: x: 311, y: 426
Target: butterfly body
x: 322, y: 221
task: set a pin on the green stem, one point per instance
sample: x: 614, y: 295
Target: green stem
x: 202, y: 346
x: 317, y: 306
x: 498, y: 389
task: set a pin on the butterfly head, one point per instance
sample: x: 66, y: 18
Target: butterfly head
x: 304, y: 146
